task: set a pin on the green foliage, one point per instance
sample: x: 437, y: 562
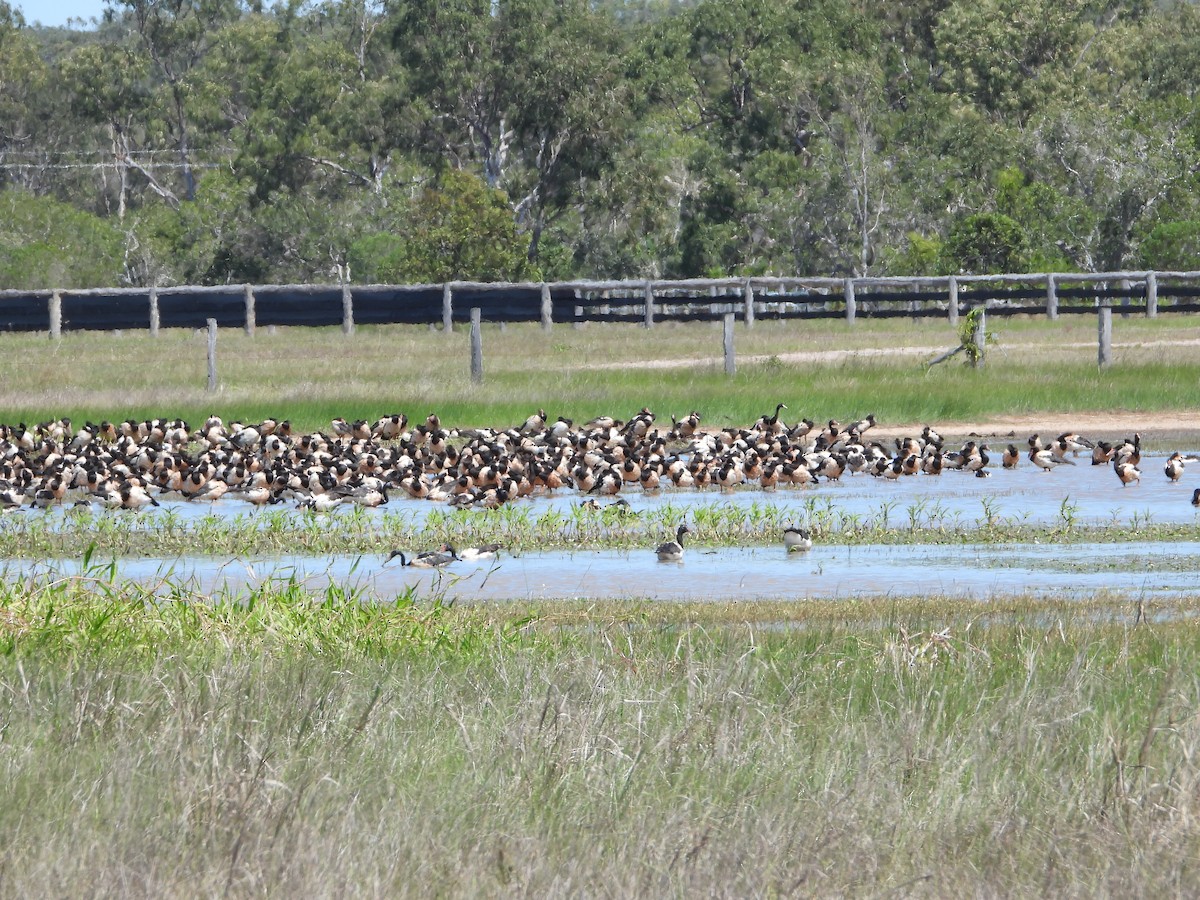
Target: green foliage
x: 1051, y: 220
x: 673, y: 137
x: 921, y: 255
x: 200, y: 242
x: 1172, y: 245
x: 1003, y: 54
x: 48, y: 244
x: 987, y: 243
x: 974, y: 345
x: 459, y: 229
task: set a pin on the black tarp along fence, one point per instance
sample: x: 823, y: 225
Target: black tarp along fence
x: 644, y: 302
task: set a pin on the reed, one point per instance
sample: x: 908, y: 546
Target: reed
x: 317, y: 745
x: 164, y: 534
x: 51, y: 535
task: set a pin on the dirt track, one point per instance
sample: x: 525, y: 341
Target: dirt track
x: 1155, y: 428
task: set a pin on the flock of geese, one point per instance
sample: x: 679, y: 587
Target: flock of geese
x: 131, y: 464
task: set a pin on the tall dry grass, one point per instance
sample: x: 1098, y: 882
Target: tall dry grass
x: 250, y: 752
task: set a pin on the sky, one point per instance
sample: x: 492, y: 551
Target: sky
x: 56, y: 12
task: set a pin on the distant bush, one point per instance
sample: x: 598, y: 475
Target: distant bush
x: 48, y: 244
x: 987, y: 244
x: 1172, y: 246
x: 459, y: 229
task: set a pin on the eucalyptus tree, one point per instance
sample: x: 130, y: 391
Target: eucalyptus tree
x: 568, y: 105
x: 27, y: 146
x: 365, y: 126
x: 178, y: 35
x: 531, y: 93
x: 1121, y: 165
x: 457, y: 228
x: 107, y: 90
x: 459, y: 111
x: 712, y: 69
x: 789, y: 99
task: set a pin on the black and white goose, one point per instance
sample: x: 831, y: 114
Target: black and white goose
x: 1046, y: 460
x: 672, y: 551
x: 1174, y: 466
x: 476, y: 553
x: 428, y: 559
x: 797, y: 539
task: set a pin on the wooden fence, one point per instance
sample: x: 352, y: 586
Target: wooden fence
x: 644, y: 302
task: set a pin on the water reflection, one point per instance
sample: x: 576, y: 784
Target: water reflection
x: 968, y: 571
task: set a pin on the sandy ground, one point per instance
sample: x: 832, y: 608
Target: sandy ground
x: 1159, y: 429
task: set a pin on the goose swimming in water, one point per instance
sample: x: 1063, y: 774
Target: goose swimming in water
x: 428, y: 559
x: 672, y: 551
x: 320, y: 503
x: 797, y: 538
x: 473, y: 554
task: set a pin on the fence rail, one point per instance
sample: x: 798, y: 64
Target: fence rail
x: 645, y: 302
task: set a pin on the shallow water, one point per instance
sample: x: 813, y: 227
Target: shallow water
x: 970, y: 571
x: 1090, y: 495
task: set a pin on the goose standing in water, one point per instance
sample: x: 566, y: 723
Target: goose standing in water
x: 672, y: 551
x: 1174, y: 466
x: 1127, y: 472
x: 1045, y: 459
x: 797, y: 538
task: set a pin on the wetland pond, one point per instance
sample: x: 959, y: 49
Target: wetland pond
x: 974, y: 571
x: 1084, y: 494
x: 1089, y: 495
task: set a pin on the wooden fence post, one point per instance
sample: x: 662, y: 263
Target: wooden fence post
x: 547, y: 308
x: 952, y: 288
x: 1105, y: 333
x: 347, y: 309
x: 648, y: 294
x: 1126, y: 286
x: 730, y: 361
x: 251, y: 316
x: 1151, y: 295
x: 212, y: 355
x: 54, y: 307
x: 851, y: 306
x: 979, y: 339
x: 1051, y: 297
x: 447, y: 310
x: 476, y: 346
x: 153, y: 312
x: 749, y: 304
